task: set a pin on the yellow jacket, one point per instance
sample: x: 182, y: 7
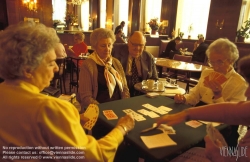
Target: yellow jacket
x: 29, y: 118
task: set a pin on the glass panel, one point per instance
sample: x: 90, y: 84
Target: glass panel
x: 121, y: 14
x: 152, y: 11
x: 244, y: 16
x: 59, y: 10
x: 103, y: 14
x: 85, y: 16
x: 192, y: 17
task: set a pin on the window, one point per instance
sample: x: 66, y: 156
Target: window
x: 152, y: 10
x: 192, y: 17
x: 59, y: 10
x: 121, y: 14
x: 85, y: 16
x: 244, y: 15
x: 103, y: 14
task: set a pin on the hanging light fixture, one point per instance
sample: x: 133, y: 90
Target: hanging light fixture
x: 30, y: 4
x: 76, y: 2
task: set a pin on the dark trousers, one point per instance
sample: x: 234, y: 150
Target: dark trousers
x: 133, y: 92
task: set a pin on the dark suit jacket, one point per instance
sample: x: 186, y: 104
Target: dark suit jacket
x: 199, y: 54
x: 120, y: 51
x: 170, y: 50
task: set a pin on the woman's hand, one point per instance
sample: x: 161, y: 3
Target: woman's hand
x: 127, y: 123
x: 179, y: 98
x: 212, y: 149
x: 215, y: 87
x: 83, y: 119
x: 173, y: 119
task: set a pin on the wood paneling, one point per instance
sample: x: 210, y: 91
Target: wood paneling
x: 169, y: 12
x: 3, y: 15
x: 227, y: 10
x: 17, y: 11
x: 135, y: 6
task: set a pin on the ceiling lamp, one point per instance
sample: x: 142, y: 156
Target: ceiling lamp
x: 30, y: 4
x: 76, y: 2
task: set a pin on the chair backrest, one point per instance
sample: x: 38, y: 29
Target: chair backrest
x: 61, y: 63
x: 182, y: 58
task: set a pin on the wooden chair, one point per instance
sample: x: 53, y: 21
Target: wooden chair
x: 60, y: 75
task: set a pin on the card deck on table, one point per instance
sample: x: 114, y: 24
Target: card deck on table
x: 109, y: 114
x: 193, y: 123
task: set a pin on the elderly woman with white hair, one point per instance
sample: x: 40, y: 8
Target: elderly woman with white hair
x: 222, y: 54
x: 29, y: 118
x: 102, y: 77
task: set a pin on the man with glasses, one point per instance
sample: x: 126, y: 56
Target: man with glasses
x: 137, y: 63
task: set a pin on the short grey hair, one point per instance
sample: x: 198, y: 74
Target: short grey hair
x: 23, y: 46
x: 79, y: 35
x: 101, y: 33
x: 225, y: 47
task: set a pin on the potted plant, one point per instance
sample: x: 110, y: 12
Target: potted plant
x: 190, y: 29
x: 243, y: 32
x: 181, y: 34
x: 70, y: 19
x: 154, y: 25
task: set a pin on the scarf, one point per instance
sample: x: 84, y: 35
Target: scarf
x: 111, y: 75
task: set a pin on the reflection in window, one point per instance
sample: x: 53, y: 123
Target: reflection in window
x: 59, y: 10
x: 152, y: 10
x: 85, y: 16
x: 121, y: 14
x: 103, y: 14
x: 192, y: 17
x: 244, y: 16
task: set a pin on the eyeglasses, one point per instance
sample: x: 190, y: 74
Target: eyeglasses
x: 216, y: 63
x: 137, y: 45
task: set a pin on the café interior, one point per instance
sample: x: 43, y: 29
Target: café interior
x: 187, y: 19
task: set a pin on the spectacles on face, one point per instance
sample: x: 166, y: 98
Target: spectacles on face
x: 217, y: 63
x: 137, y: 45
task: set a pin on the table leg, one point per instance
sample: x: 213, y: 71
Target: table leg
x: 160, y: 71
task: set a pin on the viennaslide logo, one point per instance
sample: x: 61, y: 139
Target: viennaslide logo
x: 227, y: 151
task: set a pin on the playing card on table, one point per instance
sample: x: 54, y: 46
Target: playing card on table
x: 167, y: 109
x: 91, y: 113
x: 193, y: 123
x: 109, y: 114
x: 143, y: 111
x: 135, y: 116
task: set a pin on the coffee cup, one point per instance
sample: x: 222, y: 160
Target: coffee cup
x: 150, y: 83
x: 172, y: 82
x: 160, y: 85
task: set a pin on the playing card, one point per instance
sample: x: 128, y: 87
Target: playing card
x: 153, y: 114
x: 91, y: 113
x: 221, y: 79
x: 143, y: 111
x: 109, y: 114
x: 193, y: 123
x: 155, y: 109
x: 218, y: 77
x: 167, y: 109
